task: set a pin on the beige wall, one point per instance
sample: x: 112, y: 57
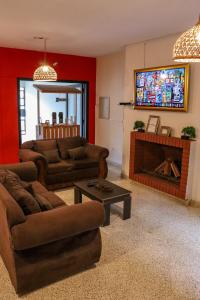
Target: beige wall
x: 109, y: 133
x: 158, y: 52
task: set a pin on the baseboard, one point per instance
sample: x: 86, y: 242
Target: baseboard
x: 194, y: 203
x: 114, y: 164
x: 124, y: 176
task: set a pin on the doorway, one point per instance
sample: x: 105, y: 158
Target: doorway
x: 61, y: 102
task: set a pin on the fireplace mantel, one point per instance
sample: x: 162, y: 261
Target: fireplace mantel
x: 146, y: 151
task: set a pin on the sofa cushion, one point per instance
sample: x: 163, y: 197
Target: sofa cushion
x: 83, y: 163
x: 69, y: 143
x: 14, y: 212
x: 38, y: 188
x: 45, y: 145
x: 59, y: 167
x: 52, y: 156
x: 53, y: 199
x: 77, y: 153
x: 25, y: 200
x: 43, y: 202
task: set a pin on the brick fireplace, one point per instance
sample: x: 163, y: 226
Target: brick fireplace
x: 148, y: 151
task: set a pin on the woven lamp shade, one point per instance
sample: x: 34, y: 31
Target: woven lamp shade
x: 187, y: 46
x: 45, y: 73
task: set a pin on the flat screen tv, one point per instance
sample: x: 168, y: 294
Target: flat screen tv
x: 162, y: 88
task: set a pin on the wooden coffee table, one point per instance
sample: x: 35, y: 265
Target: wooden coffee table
x: 117, y: 194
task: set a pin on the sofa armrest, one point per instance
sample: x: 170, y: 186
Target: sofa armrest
x: 39, y: 160
x: 96, y: 152
x: 30, y: 155
x: 56, y: 224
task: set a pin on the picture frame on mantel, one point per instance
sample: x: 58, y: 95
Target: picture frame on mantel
x: 165, y: 130
x: 153, y: 124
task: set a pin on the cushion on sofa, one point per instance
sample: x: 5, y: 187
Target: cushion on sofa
x: 25, y: 200
x: 14, y: 212
x: 69, y: 143
x: 38, y: 187
x: 59, y: 167
x: 77, y: 153
x: 45, y: 145
x: 83, y: 163
x: 53, y: 199
x: 52, y: 156
x: 43, y: 202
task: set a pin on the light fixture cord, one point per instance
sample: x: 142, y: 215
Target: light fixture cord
x: 45, y: 51
x: 198, y: 23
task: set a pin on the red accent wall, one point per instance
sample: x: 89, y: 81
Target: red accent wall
x: 15, y: 63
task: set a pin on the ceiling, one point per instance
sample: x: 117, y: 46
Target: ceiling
x: 91, y: 27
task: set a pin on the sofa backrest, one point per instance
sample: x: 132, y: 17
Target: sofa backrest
x: 50, y: 144
x: 28, y: 145
x: 44, y: 145
x: 27, y: 171
x: 69, y: 143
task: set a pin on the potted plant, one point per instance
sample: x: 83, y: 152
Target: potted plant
x: 139, y: 126
x: 188, y: 132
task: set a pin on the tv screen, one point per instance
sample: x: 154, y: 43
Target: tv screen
x: 163, y: 88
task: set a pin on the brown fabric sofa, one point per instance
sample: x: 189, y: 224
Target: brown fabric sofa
x: 43, y: 247
x: 62, y: 173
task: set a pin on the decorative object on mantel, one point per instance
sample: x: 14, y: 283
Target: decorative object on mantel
x: 187, y: 46
x: 153, y: 124
x: 162, y: 88
x: 165, y: 130
x: 45, y: 72
x: 139, y: 126
x: 188, y: 133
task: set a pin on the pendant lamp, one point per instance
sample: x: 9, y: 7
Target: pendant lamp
x: 187, y: 46
x: 45, y: 72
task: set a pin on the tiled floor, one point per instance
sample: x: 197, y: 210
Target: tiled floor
x: 153, y: 255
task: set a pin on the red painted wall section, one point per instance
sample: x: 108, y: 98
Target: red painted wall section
x: 15, y: 63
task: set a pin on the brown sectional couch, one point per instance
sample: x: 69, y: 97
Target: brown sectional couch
x: 63, y: 172
x: 43, y: 247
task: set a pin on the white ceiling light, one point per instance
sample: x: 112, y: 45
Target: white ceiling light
x: 44, y: 72
x: 187, y: 47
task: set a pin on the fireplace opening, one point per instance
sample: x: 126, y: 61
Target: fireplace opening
x: 158, y: 160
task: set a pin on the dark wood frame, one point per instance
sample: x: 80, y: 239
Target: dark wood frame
x: 156, y: 126
x: 85, y: 111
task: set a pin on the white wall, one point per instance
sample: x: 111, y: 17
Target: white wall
x: 158, y: 52
x: 109, y: 133
x: 48, y: 105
